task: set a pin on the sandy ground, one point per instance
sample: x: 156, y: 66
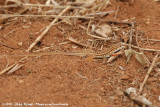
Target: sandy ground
x: 74, y: 80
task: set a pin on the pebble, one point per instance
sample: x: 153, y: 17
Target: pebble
x: 125, y: 77
x: 20, y: 43
x: 20, y: 81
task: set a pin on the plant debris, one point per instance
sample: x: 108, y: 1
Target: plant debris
x: 80, y: 52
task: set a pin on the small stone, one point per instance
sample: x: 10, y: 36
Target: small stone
x: 1, y: 27
x: 121, y: 68
x: 103, y: 90
x: 24, y: 20
x: 20, y: 81
x: 20, y: 43
x: 125, y: 77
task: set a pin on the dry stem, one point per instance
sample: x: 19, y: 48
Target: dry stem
x: 6, y: 69
x: 143, y: 49
x: 47, y: 29
x: 78, y: 43
x: 55, y: 16
x: 38, y: 5
x: 148, y: 73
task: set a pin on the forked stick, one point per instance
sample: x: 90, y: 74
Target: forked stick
x: 46, y: 30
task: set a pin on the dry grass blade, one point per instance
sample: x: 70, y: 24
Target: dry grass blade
x: 130, y: 42
x: 154, y: 40
x: 6, y: 69
x: 38, y: 5
x: 143, y: 49
x: 47, y: 29
x: 78, y: 43
x: 16, y: 67
x: 6, y: 59
x: 55, y: 16
x: 131, y: 35
x: 81, y: 76
x: 156, y: 0
x: 100, y: 13
x: 114, y: 21
x: 10, y: 32
x: 97, y: 37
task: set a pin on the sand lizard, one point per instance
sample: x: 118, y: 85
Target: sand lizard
x: 108, y: 52
x: 94, y: 55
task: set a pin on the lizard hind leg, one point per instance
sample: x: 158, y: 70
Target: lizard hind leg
x: 90, y: 58
x: 104, y: 60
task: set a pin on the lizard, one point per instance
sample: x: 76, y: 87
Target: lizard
x: 91, y: 55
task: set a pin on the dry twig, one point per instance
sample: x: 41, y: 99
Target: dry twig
x: 143, y: 49
x: 132, y: 93
x: 78, y: 43
x: 8, y: 46
x: 10, y: 32
x: 116, y: 12
x: 148, y: 73
x: 6, y: 69
x: 81, y: 76
x: 47, y: 29
x: 16, y: 67
x: 54, y: 16
x: 130, y: 41
x: 6, y: 60
x: 38, y: 5
x: 154, y: 40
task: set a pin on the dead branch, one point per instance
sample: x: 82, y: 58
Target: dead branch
x: 130, y: 41
x: 143, y: 49
x: 15, y: 68
x: 132, y: 93
x: 47, y: 29
x: 148, y: 73
x: 54, y: 16
x: 6, y: 69
x: 6, y: 60
x: 78, y: 43
x: 39, y: 5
